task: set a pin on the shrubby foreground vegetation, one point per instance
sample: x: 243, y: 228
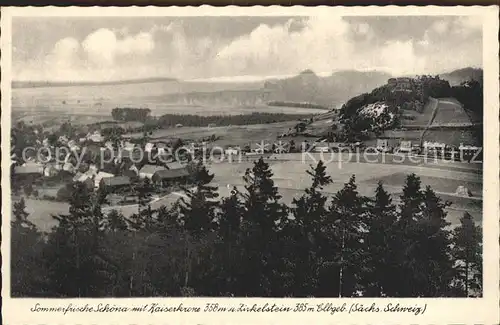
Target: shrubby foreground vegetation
x: 248, y: 245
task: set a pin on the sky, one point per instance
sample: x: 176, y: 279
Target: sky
x: 121, y: 48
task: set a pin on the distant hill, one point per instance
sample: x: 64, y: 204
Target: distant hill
x: 40, y: 84
x: 304, y: 88
x: 458, y: 76
x: 328, y: 91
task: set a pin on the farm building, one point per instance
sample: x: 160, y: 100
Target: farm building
x: 95, y: 137
x: 149, y: 147
x: 50, y: 170
x: 405, y: 146
x: 175, y: 165
x: 100, y: 176
x: 147, y: 171
x: 164, y: 177
x: 231, y: 151
x: 382, y: 144
x: 114, y: 183
x: 29, y: 169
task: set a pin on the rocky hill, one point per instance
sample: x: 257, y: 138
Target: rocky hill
x: 456, y: 77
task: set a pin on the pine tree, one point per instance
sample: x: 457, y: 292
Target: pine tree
x: 346, y: 215
x: 467, y: 254
x: 197, y: 217
x: 309, y: 212
x: 198, y: 211
x: 381, y: 242
x: 407, y: 231
x: 143, y: 218
x: 77, y: 265
x: 263, y: 219
x: 28, y: 274
x: 229, y: 244
x: 115, y: 221
x: 435, y: 247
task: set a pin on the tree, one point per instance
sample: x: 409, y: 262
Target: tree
x: 143, y: 218
x: 309, y: 212
x: 198, y: 210
x: 229, y: 244
x: 410, y: 210
x: 28, y: 274
x: 433, y: 249
x: 347, y: 220
x: 74, y: 255
x: 115, y: 222
x: 468, y: 256
x: 381, y: 242
x: 197, y: 217
x: 264, y: 217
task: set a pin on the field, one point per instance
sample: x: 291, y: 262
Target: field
x: 291, y: 179
x: 230, y: 135
x: 450, y: 111
x: 419, y: 119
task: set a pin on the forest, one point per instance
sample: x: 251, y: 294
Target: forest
x: 251, y: 244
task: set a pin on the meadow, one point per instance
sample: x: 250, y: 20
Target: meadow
x: 291, y: 179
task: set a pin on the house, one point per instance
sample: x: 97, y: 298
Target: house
x: 174, y: 165
x: 69, y: 167
x: 383, y: 145
x: 50, y: 170
x: 82, y: 177
x: 92, y: 169
x: 163, y: 177
x: 405, y: 146
x: 100, y: 176
x: 63, y: 139
x: 230, y: 151
x: 322, y: 147
x: 73, y: 146
x: 108, y: 145
x: 147, y: 171
x: 134, y: 169
x: 132, y: 172
x: 116, y: 182
x: 29, y: 169
x: 149, y: 147
x: 95, y: 137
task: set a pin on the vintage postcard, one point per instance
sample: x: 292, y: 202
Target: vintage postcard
x: 254, y: 165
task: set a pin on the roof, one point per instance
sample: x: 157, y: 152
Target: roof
x: 104, y: 174
x: 116, y: 181
x: 171, y: 173
x: 150, y: 169
x: 29, y: 169
x: 175, y: 165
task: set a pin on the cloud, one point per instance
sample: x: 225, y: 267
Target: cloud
x: 323, y: 44
x: 330, y: 43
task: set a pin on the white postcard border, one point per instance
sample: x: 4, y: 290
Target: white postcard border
x: 438, y: 311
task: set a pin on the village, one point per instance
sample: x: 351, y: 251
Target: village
x: 122, y: 164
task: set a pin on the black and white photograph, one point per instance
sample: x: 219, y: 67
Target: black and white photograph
x: 300, y: 156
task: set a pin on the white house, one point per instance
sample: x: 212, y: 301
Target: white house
x: 96, y: 137
x: 149, y: 147
x: 63, y: 139
x: 100, y: 176
x: 147, y: 171
x: 69, y: 167
x: 231, y: 151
